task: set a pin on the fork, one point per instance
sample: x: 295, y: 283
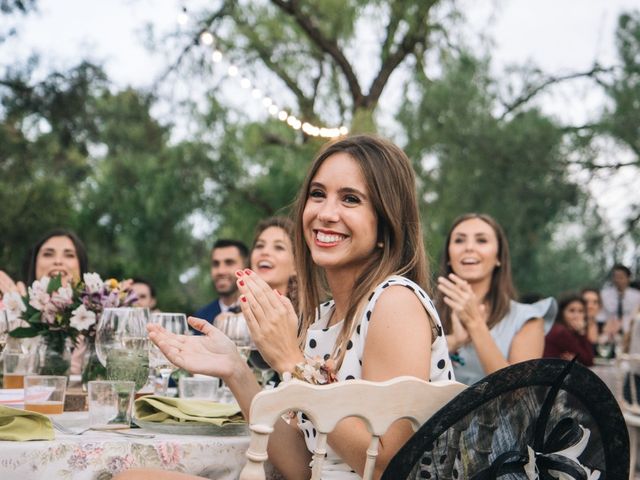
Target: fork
x: 67, y: 431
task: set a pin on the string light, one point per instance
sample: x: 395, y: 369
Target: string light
x: 207, y: 39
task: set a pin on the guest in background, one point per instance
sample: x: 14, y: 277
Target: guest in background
x: 620, y: 302
x: 60, y: 251
x: 145, y: 292
x: 595, y: 317
x: 272, y: 255
x: 486, y: 329
x: 227, y: 256
x: 568, y: 336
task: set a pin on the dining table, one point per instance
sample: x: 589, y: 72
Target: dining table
x: 98, y: 455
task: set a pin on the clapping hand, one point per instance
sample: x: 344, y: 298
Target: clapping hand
x: 210, y: 354
x: 463, y: 302
x: 272, y: 321
x: 8, y: 285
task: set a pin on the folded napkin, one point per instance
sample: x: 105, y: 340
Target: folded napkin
x: 153, y: 408
x: 20, y: 425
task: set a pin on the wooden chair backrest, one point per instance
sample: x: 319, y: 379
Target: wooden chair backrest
x: 628, y: 378
x: 378, y: 404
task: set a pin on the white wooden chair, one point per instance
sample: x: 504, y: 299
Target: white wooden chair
x: 378, y: 404
x: 628, y: 374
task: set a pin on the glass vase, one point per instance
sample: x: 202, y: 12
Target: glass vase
x: 92, y: 369
x: 55, y: 355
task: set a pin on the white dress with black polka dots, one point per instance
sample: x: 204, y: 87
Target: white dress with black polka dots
x: 321, y: 339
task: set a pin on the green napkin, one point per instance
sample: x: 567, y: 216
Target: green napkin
x: 153, y: 408
x: 20, y: 425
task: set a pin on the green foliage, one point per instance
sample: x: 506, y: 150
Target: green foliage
x: 471, y: 161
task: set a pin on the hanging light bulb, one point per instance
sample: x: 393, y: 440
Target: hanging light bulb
x: 206, y: 38
x: 216, y: 56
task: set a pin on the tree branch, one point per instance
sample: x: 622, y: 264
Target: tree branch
x: 534, y: 90
x: 207, y: 22
x: 417, y: 33
x: 590, y: 165
x: 325, y: 44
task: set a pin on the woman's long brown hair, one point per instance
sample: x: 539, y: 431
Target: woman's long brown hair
x: 390, y: 182
x: 501, y: 290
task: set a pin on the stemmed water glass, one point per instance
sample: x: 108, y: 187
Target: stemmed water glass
x: 260, y: 365
x: 174, y: 323
x: 122, y: 346
x: 234, y: 326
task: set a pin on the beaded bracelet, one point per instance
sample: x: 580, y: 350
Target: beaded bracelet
x: 313, y: 370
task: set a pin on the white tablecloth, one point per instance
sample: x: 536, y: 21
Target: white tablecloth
x: 99, y: 455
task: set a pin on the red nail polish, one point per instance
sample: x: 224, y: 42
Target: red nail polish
x: 248, y: 271
x: 243, y: 298
x: 241, y: 283
x: 239, y: 273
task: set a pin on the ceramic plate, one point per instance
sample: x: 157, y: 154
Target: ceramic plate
x: 194, y: 428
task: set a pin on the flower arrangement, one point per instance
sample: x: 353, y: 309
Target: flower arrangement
x: 59, y: 312
x: 50, y: 308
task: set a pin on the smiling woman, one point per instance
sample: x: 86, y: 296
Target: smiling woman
x: 486, y: 329
x: 59, y: 251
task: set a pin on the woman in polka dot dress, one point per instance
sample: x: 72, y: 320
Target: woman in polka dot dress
x: 363, y: 305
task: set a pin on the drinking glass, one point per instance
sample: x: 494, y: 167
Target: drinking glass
x: 122, y: 344
x: 260, y: 365
x: 234, y: 326
x: 45, y: 393
x: 174, y: 323
x: 604, y: 346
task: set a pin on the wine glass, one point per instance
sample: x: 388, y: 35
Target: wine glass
x: 604, y: 346
x: 234, y: 326
x: 122, y: 344
x: 174, y: 323
x: 260, y: 365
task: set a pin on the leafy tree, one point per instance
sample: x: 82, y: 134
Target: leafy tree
x: 621, y: 120
x: 470, y: 160
x: 44, y: 128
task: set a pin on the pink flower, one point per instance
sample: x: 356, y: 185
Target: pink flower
x: 38, y: 296
x: 49, y: 314
x: 82, y: 319
x: 62, y: 297
x: 169, y: 454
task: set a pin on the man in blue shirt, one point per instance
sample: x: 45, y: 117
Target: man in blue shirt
x: 227, y: 256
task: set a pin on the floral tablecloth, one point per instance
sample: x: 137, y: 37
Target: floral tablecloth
x: 99, y: 455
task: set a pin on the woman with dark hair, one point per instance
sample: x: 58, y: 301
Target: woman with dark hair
x: 595, y: 317
x: 58, y: 252
x: 486, y: 328
x: 568, y: 336
x: 364, y: 310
